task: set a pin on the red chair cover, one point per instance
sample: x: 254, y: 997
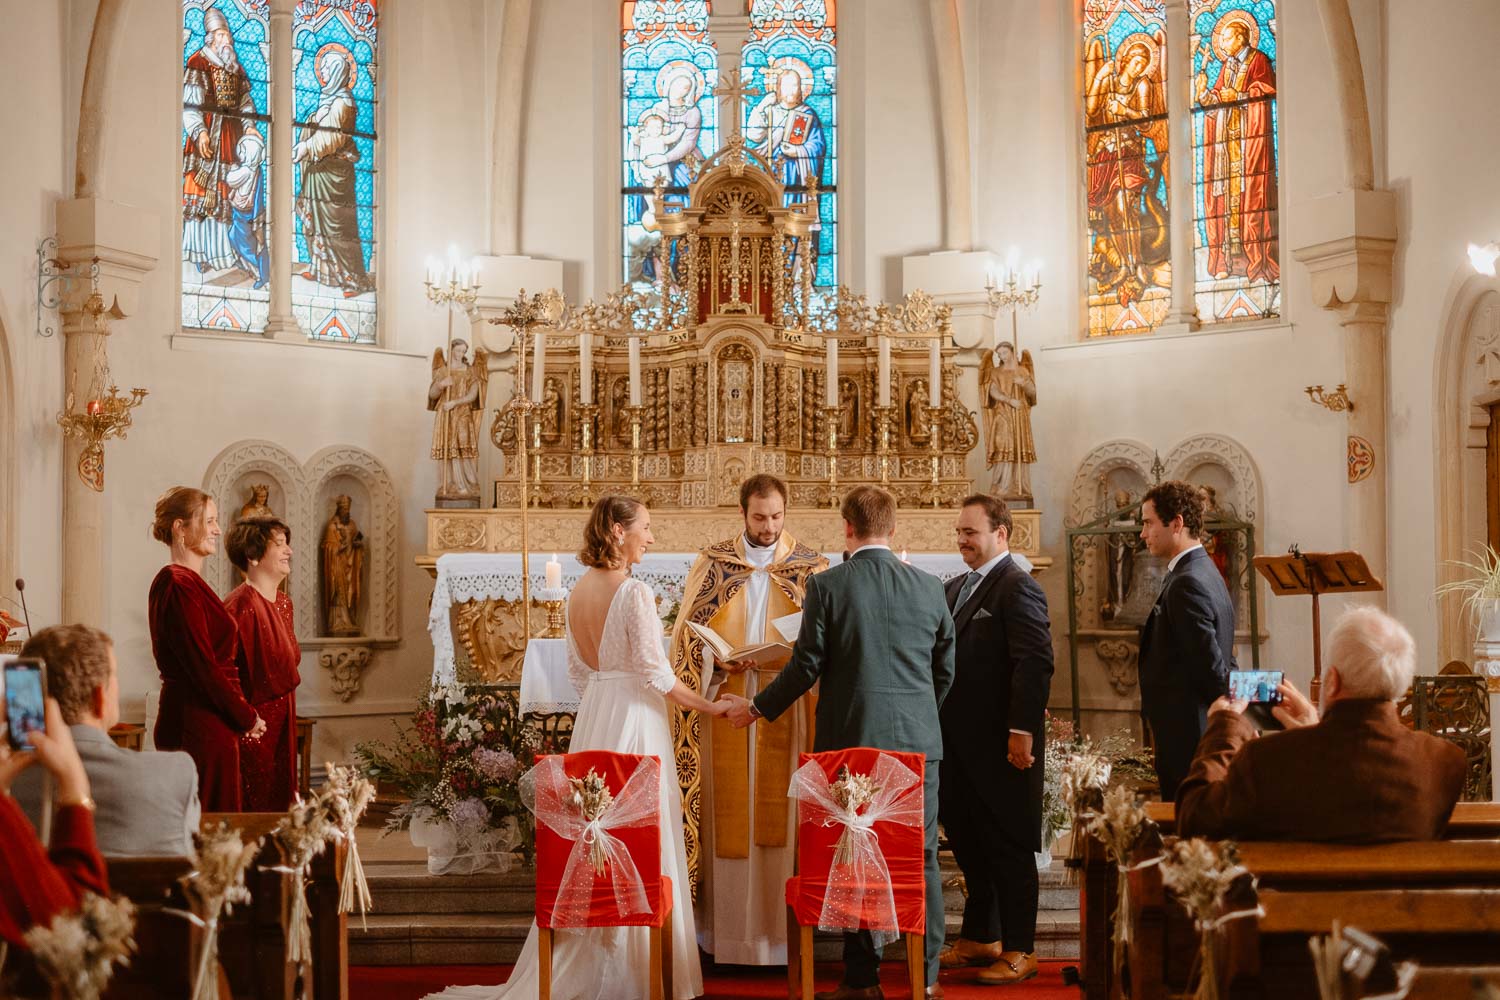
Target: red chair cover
x: 643, y: 844
x: 901, y: 845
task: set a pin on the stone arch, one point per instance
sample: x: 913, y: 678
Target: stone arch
x: 1187, y: 459
x: 1466, y: 381
x: 379, y: 521
x: 227, y: 480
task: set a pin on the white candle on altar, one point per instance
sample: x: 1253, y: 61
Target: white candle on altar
x: 903, y: 556
x: 831, y: 393
x: 635, y: 370
x: 586, y: 368
x: 883, y: 380
x: 538, y: 362
x: 554, y: 573
x: 935, y: 373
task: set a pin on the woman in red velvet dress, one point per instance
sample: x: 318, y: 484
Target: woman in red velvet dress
x: 268, y: 659
x: 203, y: 710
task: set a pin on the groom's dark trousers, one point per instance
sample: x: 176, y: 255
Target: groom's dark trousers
x: 878, y: 636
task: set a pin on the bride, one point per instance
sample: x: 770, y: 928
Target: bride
x: 615, y: 659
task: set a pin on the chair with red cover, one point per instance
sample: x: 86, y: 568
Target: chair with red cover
x: 866, y: 894
x: 630, y: 829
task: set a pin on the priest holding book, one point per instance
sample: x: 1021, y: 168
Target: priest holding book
x: 738, y: 588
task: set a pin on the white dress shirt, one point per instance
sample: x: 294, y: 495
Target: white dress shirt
x: 1172, y: 563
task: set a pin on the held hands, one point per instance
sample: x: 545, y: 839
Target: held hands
x: 257, y: 730
x: 1295, y: 710
x: 737, y: 710
x: 1018, y: 751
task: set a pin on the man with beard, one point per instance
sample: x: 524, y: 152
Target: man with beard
x: 216, y: 109
x: 738, y: 587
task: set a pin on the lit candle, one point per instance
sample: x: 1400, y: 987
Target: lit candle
x: 831, y: 392
x: 586, y: 368
x: 94, y: 406
x: 538, y: 363
x: 903, y: 556
x: 935, y: 373
x: 554, y: 573
x: 1034, y: 275
x: 884, y: 366
x: 635, y: 370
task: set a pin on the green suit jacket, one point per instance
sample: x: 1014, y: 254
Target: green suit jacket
x: 878, y: 635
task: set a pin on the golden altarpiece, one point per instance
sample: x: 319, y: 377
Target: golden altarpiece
x: 727, y: 376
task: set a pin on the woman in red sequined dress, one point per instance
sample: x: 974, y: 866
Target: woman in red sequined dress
x: 268, y: 658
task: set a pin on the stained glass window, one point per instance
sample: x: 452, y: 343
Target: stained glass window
x: 1126, y: 146
x: 1236, y: 253
x: 790, y: 65
x: 334, y: 167
x: 226, y: 131
x: 668, y: 70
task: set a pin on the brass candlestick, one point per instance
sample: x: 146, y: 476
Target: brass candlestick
x: 536, y: 457
x: 636, y: 413
x: 935, y: 451
x: 883, y: 416
x: 553, y: 600
x: 586, y: 413
x: 831, y: 416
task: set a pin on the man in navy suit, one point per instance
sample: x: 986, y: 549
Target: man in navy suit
x: 1187, y: 643
x: 992, y: 809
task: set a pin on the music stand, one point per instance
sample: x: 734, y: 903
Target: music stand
x: 1317, y: 573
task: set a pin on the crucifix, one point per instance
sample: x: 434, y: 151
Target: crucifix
x: 733, y: 87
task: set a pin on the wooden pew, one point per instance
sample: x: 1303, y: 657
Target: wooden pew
x: 1437, y: 903
x: 1097, y: 892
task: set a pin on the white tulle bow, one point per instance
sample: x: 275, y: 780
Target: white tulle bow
x: 546, y: 792
x: 859, y: 895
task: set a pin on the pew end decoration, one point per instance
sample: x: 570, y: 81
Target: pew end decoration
x: 216, y: 883
x: 303, y: 834
x: 1351, y: 964
x: 348, y: 794
x: 1209, y: 882
x: 77, y: 952
x: 1132, y: 841
x: 860, y: 856
x: 598, y: 853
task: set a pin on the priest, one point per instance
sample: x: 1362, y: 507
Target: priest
x: 738, y: 587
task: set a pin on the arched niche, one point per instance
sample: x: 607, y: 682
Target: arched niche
x: 343, y: 470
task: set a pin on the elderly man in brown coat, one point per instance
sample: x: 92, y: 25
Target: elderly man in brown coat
x: 1356, y: 775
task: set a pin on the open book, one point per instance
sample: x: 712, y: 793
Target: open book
x: 758, y: 652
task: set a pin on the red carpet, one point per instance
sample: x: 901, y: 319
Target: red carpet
x: 370, y: 982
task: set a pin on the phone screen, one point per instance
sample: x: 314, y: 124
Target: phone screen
x: 1259, y: 687
x: 25, y: 701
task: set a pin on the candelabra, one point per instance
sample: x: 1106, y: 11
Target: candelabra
x: 106, y: 413
x: 883, y: 417
x: 1015, y: 292
x: 636, y: 413
x: 457, y: 288
x: 831, y: 418
x: 935, y: 451
x: 1337, y: 400
x: 586, y: 413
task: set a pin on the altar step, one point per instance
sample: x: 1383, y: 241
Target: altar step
x: 422, y: 919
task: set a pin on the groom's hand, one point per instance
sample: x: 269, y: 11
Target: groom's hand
x: 739, y: 711
x: 1018, y: 751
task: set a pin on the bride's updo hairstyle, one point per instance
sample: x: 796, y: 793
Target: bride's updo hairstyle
x: 600, y: 550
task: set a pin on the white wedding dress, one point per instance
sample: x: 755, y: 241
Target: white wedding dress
x: 623, y: 710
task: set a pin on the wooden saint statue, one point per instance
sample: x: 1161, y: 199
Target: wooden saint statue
x: 342, y: 561
x: 1007, y: 390
x: 456, y: 395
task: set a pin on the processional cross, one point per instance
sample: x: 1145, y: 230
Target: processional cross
x: 733, y: 86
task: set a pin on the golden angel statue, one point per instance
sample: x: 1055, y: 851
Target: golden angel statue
x: 1008, y: 392
x: 457, y: 395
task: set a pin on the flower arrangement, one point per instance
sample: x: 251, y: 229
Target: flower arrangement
x: 301, y: 836
x: 77, y: 952
x: 1132, y: 840
x: 1209, y: 882
x: 212, y: 888
x: 592, y: 799
x: 1481, y: 588
x: 347, y: 795
x: 669, y: 602
x: 852, y: 792
x: 458, y: 764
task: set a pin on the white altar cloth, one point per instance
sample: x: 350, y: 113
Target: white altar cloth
x: 477, y: 576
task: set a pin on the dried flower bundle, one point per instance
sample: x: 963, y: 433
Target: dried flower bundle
x: 78, y: 952
x: 347, y: 795
x: 1131, y: 840
x: 301, y: 836
x: 1209, y: 883
x: 852, y: 792
x: 213, y: 887
x: 592, y: 798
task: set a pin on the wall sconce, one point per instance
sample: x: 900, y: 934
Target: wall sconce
x: 1336, y: 400
x: 53, y: 279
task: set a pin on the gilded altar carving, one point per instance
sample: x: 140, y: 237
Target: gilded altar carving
x: 457, y: 534
x: 493, y: 635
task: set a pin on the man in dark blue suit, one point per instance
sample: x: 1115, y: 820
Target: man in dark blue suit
x: 1187, y: 643
x: 992, y: 809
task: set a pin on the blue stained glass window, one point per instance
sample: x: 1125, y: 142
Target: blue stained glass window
x: 790, y: 64
x: 1236, y: 246
x: 335, y: 167
x: 668, y: 116
x: 226, y: 132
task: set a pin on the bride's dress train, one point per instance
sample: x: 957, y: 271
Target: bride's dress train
x: 623, y: 710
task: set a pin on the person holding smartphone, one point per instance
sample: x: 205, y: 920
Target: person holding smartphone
x: 194, y: 639
x: 37, y: 884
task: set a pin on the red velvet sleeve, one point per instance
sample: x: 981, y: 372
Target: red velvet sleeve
x: 35, y: 888
x: 183, y: 636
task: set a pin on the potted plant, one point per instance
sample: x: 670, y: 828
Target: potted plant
x: 1480, y: 591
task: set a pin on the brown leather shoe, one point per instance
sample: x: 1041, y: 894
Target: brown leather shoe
x: 934, y: 992
x: 1013, y: 967
x: 846, y: 992
x: 965, y: 952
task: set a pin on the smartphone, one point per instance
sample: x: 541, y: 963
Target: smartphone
x: 25, y: 700
x: 1259, y: 687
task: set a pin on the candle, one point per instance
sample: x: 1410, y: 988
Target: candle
x: 94, y: 406
x: 554, y: 573
x: 903, y: 556
x: 832, y: 387
x: 538, y: 362
x: 635, y: 370
x: 884, y: 366
x: 935, y: 373
x: 586, y: 368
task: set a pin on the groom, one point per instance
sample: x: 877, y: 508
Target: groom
x: 878, y: 635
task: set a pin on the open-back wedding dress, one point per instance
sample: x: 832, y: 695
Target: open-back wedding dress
x: 624, y: 710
